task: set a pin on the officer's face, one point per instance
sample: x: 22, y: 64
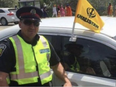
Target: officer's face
x: 29, y: 27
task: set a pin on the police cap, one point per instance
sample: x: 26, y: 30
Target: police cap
x: 30, y: 12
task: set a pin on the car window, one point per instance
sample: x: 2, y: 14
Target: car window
x: 56, y: 42
x: 1, y: 11
x: 89, y: 57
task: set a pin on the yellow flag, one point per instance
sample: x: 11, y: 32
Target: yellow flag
x: 87, y: 16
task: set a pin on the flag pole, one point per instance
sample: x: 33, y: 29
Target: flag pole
x: 73, y: 38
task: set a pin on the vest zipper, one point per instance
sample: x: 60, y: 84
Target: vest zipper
x: 35, y: 59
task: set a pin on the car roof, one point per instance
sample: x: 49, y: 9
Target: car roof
x: 64, y: 22
x: 7, y: 8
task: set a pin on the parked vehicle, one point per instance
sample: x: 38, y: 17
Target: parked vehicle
x: 7, y: 15
x: 98, y: 49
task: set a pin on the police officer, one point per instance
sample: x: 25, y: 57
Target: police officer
x: 74, y: 62
x: 26, y: 56
x: 71, y: 55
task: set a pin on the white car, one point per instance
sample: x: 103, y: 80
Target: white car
x: 98, y: 48
x: 7, y: 15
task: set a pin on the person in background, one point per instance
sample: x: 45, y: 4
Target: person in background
x: 45, y: 12
x: 16, y: 7
x: 68, y: 10
x: 26, y: 58
x: 62, y: 11
x: 58, y: 11
x: 110, y: 9
x: 54, y: 9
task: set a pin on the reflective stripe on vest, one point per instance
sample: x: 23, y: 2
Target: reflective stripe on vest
x: 45, y: 45
x: 22, y: 73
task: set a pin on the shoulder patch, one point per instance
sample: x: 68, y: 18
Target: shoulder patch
x: 2, y: 48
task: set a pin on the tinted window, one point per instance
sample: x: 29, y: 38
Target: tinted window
x: 1, y: 11
x: 56, y: 42
x: 91, y: 57
x: 99, y: 57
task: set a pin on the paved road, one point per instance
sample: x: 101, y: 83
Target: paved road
x: 4, y: 27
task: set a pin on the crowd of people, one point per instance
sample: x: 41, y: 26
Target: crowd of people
x: 60, y: 10
x: 57, y: 10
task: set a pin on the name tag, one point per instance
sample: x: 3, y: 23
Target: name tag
x: 44, y: 51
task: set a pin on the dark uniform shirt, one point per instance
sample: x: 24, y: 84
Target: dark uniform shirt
x: 8, y: 61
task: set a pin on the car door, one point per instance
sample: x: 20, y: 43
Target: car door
x: 97, y: 56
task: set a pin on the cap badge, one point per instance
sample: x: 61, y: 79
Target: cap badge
x: 33, y: 11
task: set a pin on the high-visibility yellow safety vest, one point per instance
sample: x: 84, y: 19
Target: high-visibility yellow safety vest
x: 75, y: 66
x: 27, y: 58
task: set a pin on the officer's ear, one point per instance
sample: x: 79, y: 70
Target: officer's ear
x: 20, y: 23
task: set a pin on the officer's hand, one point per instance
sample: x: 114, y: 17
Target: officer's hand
x: 68, y: 84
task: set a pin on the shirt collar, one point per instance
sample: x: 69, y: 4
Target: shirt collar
x: 36, y: 38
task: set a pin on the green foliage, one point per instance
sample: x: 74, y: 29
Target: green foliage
x: 8, y: 3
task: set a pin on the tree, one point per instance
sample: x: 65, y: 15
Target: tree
x: 8, y: 3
